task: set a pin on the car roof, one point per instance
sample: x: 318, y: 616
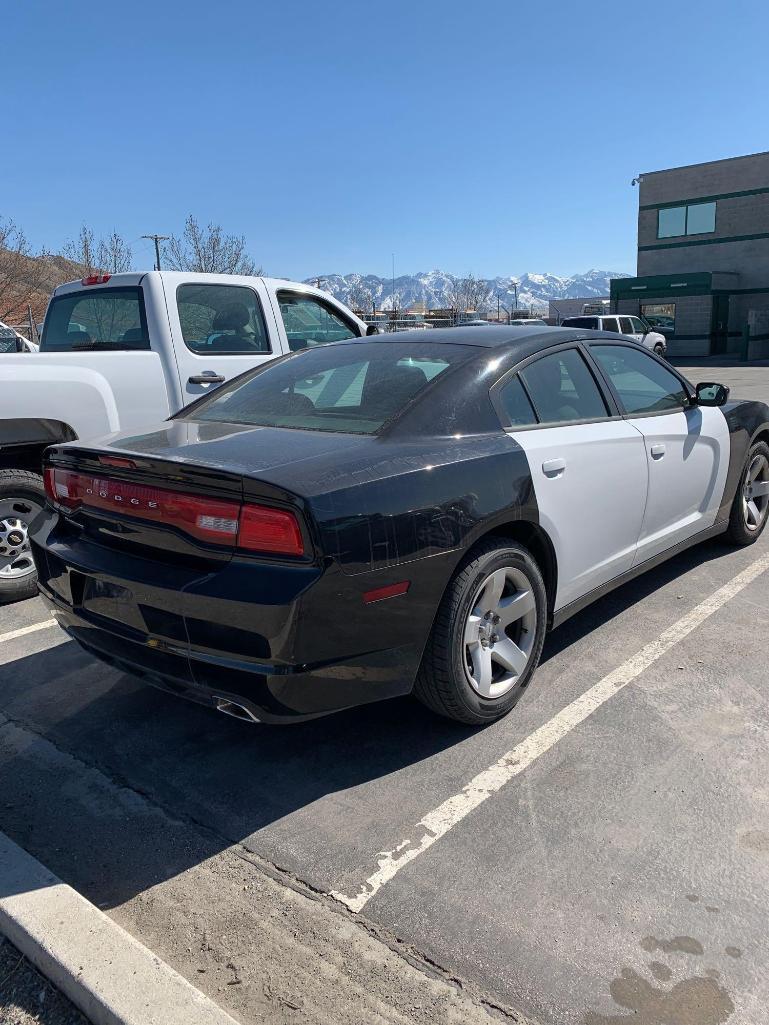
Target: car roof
x: 491, y: 337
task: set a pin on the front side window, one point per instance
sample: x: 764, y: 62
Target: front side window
x: 351, y: 389
x: 691, y: 219
x: 102, y: 320
x: 639, y: 328
x: 563, y: 389
x: 309, y: 321
x: 643, y: 384
x: 515, y: 405
x: 221, y: 319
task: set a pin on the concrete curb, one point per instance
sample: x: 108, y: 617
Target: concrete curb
x: 111, y: 977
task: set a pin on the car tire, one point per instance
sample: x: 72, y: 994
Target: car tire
x: 22, y: 496
x: 659, y: 348
x: 748, y: 515
x: 477, y: 681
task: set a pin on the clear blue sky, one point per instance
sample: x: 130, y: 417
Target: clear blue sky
x: 492, y: 138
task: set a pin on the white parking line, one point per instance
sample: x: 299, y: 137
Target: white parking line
x: 443, y: 818
x: 27, y: 630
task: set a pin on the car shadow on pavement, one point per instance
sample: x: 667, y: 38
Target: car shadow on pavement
x: 117, y: 786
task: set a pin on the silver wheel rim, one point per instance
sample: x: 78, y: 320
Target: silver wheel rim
x: 499, y: 632
x: 15, y: 555
x: 755, y: 492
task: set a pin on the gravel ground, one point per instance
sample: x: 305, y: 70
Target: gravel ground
x: 26, y: 998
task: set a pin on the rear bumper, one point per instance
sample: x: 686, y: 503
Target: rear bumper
x: 282, y: 645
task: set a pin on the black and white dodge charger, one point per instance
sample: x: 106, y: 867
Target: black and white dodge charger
x: 367, y: 518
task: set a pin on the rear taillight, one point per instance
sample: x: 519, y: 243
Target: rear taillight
x: 95, y: 279
x: 269, y: 530
x: 252, y: 527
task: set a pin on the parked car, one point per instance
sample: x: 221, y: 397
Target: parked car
x: 412, y: 511
x: 12, y: 341
x: 630, y: 327
x: 527, y: 321
x: 121, y: 351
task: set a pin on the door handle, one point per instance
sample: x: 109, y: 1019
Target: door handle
x: 207, y: 377
x: 657, y: 451
x: 554, y: 467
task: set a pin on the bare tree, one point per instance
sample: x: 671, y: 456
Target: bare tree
x: 114, y: 254
x: 455, y: 296
x: 210, y: 250
x: 111, y: 254
x: 360, y: 297
x: 23, y: 274
x: 477, y: 293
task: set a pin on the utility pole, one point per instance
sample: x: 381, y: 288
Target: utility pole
x: 394, y: 307
x: 157, y: 239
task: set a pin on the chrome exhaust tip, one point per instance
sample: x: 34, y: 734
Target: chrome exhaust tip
x: 228, y: 707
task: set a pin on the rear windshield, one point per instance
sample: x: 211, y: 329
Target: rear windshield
x: 353, y: 388
x: 586, y: 322
x: 106, y: 319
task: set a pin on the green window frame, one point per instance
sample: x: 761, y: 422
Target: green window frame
x: 695, y: 217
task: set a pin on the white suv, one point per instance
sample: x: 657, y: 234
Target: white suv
x: 630, y: 327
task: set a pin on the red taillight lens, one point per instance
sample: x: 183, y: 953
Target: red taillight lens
x: 269, y: 530
x: 253, y: 527
x: 48, y: 482
x: 95, y: 279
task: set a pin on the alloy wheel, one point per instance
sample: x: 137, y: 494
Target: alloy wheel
x: 499, y: 632
x: 755, y: 492
x: 15, y: 555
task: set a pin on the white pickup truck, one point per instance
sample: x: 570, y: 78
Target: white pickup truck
x: 126, y: 350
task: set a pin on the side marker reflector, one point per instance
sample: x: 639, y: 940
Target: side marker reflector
x: 390, y: 591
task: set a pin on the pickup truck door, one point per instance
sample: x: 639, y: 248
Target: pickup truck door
x: 221, y: 326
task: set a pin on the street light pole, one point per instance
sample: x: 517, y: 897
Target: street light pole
x: 157, y: 239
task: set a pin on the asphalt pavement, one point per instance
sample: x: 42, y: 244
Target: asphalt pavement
x: 600, y: 856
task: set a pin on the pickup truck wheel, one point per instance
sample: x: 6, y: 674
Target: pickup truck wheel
x: 22, y: 496
x: 659, y: 348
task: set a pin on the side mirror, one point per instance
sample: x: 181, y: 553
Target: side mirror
x: 372, y: 329
x: 710, y: 394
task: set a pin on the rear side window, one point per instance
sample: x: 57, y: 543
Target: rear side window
x: 221, y: 319
x: 309, y: 321
x: 515, y: 405
x: 563, y: 389
x: 347, y: 388
x: 628, y: 328
x: 104, y: 319
x: 610, y: 324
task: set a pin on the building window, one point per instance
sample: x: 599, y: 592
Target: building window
x: 660, y: 317
x: 692, y: 219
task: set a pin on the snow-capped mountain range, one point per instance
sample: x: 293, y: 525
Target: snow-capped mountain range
x: 438, y: 289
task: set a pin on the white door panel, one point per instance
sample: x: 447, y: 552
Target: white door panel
x: 688, y: 457
x: 590, y: 481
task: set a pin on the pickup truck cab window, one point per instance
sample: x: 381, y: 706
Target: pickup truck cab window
x: 641, y: 382
x: 105, y: 319
x: 221, y: 319
x: 309, y: 321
